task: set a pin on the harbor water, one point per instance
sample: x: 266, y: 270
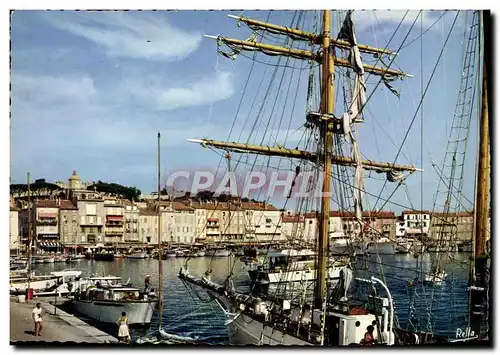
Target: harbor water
x: 190, y: 311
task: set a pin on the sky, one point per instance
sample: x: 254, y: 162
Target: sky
x: 90, y: 91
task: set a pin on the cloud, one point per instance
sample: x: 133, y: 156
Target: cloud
x: 128, y: 34
x: 206, y: 91
x: 365, y: 19
x: 47, y: 90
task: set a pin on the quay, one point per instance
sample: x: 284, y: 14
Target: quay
x: 58, y: 327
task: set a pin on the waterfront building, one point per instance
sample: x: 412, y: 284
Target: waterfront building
x: 416, y: 223
x: 148, y: 226
x: 400, y: 228
x: 46, y: 225
x: 68, y: 224
x: 131, y: 221
x: 459, y: 224
x: 14, y: 237
x: 299, y: 227
x: 184, y: 224
x: 262, y: 222
x: 114, y: 227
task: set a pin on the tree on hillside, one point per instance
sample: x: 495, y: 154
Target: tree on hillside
x: 130, y: 193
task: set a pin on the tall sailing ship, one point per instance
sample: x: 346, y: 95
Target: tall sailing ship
x: 331, y: 317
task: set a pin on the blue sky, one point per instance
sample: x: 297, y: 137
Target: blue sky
x: 90, y: 91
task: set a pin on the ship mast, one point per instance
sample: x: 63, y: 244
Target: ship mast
x: 160, y: 251
x: 324, y: 120
x: 479, y: 289
x: 327, y: 107
x: 29, y: 231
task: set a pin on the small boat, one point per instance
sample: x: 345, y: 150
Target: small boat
x: 138, y: 255
x: 218, y: 252
x: 382, y: 246
x: 18, y: 265
x: 290, y: 265
x: 19, y: 283
x: 72, y: 259
x: 60, y: 258
x: 104, y: 257
x: 104, y: 299
x: 49, y: 260
x: 179, y: 253
x: 67, y: 273
x: 38, y: 260
x: 200, y: 253
x: 170, y: 254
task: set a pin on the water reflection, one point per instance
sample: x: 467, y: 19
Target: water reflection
x: 190, y: 311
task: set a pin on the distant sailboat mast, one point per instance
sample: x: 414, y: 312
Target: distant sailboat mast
x: 160, y: 251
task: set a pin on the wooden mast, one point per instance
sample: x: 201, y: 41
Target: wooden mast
x: 160, y: 251
x: 327, y: 107
x: 480, y: 281
x: 29, y: 231
x: 326, y: 120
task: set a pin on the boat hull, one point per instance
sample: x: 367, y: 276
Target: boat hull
x: 290, y: 276
x: 138, y: 313
x: 21, y: 285
x: 245, y: 330
x: 382, y: 248
x: 218, y: 253
x: 137, y: 256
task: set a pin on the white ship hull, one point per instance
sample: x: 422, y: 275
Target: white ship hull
x: 383, y: 248
x: 291, y: 276
x: 218, y: 253
x: 37, y: 285
x: 138, y: 312
x: 137, y: 256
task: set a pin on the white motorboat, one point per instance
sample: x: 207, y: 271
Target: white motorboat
x: 382, y: 247
x: 49, y: 260
x: 179, y: 253
x: 218, y: 252
x: 104, y: 300
x: 67, y: 273
x: 291, y: 266
x: 19, y: 284
x: 137, y: 255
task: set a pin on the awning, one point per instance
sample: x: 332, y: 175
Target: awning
x: 48, y: 235
x: 212, y: 219
x: 47, y: 215
x: 114, y: 218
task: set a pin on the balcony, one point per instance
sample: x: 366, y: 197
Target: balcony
x: 46, y: 222
x: 113, y: 231
x: 114, y: 224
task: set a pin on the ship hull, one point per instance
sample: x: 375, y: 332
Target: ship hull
x: 138, y: 313
x: 290, y: 276
x: 245, y: 330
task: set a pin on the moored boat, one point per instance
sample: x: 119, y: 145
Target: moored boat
x: 106, y: 299
x: 137, y: 255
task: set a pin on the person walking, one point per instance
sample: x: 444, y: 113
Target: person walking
x: 37, y: 318
x: 123, y: 333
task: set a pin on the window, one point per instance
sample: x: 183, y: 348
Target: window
x: 91, y: 209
